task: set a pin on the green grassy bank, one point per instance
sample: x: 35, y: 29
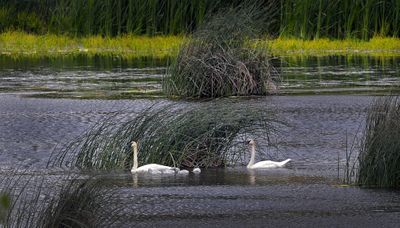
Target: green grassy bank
x: 131, y: 46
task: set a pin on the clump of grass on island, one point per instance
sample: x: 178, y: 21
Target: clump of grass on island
x: 217, y: 62
x: 192, y: 135
x: 379, y: 158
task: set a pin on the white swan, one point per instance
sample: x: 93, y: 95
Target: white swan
x: 196, y: 170
x: 149, y: 168
x: 263, y: 164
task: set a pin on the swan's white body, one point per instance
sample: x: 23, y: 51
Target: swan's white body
x: 196, y: 170
x: 152, y: 168
x: 263, y: 164
x: 149, y: 168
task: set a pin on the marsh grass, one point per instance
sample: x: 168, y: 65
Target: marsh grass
x: 21, y: 44
x: 304, y: 19
x: 207, y: 134
x: 377, y: 46
x: 349, y: 165
x: 81, y: 203
x: 379, y: 159
x: 126, y: 46
x: 307, y: 19
x: 217, y: 60
x: 68, y: 201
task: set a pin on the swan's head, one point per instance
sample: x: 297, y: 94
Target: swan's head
x: 134, y: 144
x: 251, y: 142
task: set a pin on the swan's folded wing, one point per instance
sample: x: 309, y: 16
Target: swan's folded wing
x: 154, y: 167
x: 265, y: 164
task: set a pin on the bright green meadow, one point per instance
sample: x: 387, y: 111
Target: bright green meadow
x: 133, y: 46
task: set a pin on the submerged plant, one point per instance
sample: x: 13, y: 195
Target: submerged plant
x: 4, y: 206
x: 379, y: 159
x: 202, y: 134
x: 218, y: 61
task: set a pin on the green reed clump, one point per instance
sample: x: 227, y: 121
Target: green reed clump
x: 218, y: 61
x: 205, y: 134
x: 71, y: 201
x: 379, y: 159
x: 81, y: 203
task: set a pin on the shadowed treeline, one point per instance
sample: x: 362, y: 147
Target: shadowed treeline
x: 294, y: 18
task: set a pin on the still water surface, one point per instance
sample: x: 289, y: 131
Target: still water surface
x: 79, y: 77
x: 304, y: 194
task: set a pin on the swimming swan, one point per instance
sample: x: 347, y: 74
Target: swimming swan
x: 263, y: 164
x: 149, y: 168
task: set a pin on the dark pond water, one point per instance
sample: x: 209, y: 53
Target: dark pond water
x: 111, y: 78
x: 305, y: 194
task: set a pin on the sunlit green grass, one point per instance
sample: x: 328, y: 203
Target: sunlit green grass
x: 131, y: 46
x: 127, y: 46
x: 377, y: 46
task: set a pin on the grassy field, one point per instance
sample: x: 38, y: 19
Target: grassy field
x: 131, y: 46
x: 377, y: 46
x: 127, y: 46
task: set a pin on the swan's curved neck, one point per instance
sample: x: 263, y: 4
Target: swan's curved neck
x: 135, y: 159
x: 253, y: 155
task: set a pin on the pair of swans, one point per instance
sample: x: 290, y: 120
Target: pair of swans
x: 162, y: 169
x: 156, y: 168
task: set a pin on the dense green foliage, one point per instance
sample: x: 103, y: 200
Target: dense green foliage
x: 298, y: 18
x: 340, y: 18
x: 106, y: 17
x: 379, y: 159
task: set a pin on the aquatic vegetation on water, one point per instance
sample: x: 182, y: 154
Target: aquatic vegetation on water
x: 216, y: 62
x: 72, y: 201
x: 379, y: 159
x: 192, y: 135
x: 4, y: 206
